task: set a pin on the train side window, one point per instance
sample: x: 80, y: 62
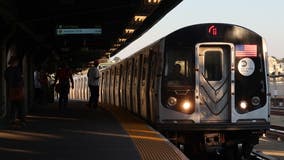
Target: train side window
x: 213, y: 65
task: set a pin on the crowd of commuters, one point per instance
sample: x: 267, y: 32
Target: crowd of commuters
x: 62, y: 83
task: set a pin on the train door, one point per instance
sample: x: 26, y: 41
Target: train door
x: 116, y: 90
x: 111, y: 85
x: 153, y: 88
x: 214, y: 81
x: 129, y: 85
x: 139, y: 79
x: 143, y: 85
x: 127, y: 63
x: 101, y: 86
x: 135, y: 83
x: 121, y: 86
x: 107, y: 87
x: 124, y: 84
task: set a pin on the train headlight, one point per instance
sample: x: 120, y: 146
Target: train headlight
x: 172, y: 101
x: 243, y: 105
x: 186, y: 105
x: 255, y: 101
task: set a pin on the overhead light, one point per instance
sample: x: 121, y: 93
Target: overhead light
x: 139, y: 18
x: 116, y: 45
x: 112, y: 49
x: 121, y: 39
x: 129, y: 31
x: 153, y: 1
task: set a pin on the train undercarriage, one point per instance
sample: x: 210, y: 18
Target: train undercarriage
x: 221, y: 145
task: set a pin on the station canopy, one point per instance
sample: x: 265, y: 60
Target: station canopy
x: 85, y: 29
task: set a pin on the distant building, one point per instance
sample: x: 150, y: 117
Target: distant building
x: 276, y: 73
x: 272, y: 63
x: 280, y: 68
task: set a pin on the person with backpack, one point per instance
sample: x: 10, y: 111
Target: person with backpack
x: 64, y: 76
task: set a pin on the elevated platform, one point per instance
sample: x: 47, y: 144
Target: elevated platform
x: 81, y: 133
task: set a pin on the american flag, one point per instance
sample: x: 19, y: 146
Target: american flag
x: 247, y: 50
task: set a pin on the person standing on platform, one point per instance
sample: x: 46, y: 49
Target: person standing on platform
x: 64, y: 75
x: 44, y: 85
x: 15, y: 91
x: 93, y: 83
x: 37, y: 87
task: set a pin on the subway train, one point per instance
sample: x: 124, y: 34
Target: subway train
x: 203, y: 86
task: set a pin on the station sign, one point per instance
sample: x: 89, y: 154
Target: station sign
x: 74, y: 30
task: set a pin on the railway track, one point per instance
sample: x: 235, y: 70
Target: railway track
x: 260, y: 156
x: 276, y: 132
x: 279, y: 129
x: 277, y: 110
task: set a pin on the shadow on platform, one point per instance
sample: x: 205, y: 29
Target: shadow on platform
x: 77, y: 133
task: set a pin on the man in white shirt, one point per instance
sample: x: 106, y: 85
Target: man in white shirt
x: 93, y: 82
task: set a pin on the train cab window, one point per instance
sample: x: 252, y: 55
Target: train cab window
x: 178, y: 71
x: 213, y: 65
x: 179, y: 68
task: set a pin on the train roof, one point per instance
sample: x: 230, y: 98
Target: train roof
x: 206, y: 28
x: 225, y: 32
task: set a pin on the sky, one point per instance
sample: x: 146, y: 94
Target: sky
x: 265, y: 17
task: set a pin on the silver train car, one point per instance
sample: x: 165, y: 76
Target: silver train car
x: 204, y: 84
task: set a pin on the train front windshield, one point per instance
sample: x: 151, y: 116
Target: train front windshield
x: 179, y: 78
x: 179, y: 67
